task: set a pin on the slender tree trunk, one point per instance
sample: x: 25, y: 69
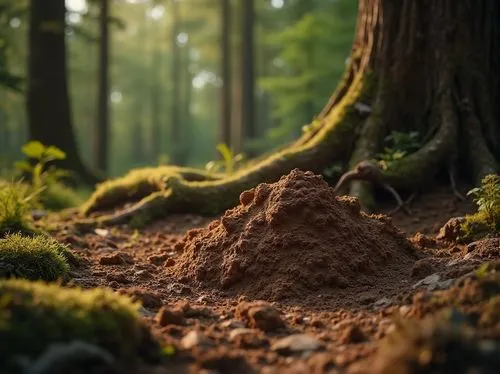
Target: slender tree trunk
x: 101, y: 141
x: 248, y: 70
x: 156, y: 133
x: 48, y: 104
x: 225, y: 114
x: 175, y: 125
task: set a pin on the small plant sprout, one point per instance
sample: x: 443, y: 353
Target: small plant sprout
x: 228, y: 163
x: 41, y: 175
x: 400, y: 144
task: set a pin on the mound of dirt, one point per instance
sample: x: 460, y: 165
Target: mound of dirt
x: 290, y: 239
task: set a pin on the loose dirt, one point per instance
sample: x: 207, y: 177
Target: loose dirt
x: 335, y: 277
x: 291, y: 239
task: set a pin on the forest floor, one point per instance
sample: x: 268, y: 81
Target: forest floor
x: 299, y: 330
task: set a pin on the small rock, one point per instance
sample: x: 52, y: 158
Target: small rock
x: 102, y: 232
x: 429, y: 281
x: 38, y: 214
x: 142, y: 274
x: 382, y: 303
x: 451, y: 229
x: 240, y: 331
x: 146, y: 313
x: 166, y: 316
x: 260, y: 315
x: 116, y: 259
x: 352, y: 335
x: 299, y: 343
x: 195, y: 339
x: 445, y: 284
x: 232, y: 324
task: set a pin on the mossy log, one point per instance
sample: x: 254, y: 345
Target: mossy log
x: 413, y: 64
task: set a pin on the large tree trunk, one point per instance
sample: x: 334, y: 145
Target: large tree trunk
x: 48, y: 104
x: 101, y: 133
x: 419, y: 65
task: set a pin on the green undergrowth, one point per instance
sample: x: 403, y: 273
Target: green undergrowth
x: 57, y: 197
x: 35, y: 315
x: 36, y: 258
x: 486, y: 221
x: 16, y: 202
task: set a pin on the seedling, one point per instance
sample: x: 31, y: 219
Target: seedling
x: 228, y: 163
x: 400, y: 145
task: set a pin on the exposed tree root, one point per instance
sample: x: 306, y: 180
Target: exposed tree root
x: 169, y: 192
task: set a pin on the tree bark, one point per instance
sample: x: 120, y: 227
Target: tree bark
x: 416, y: 65
x: 48, y: 104
x: 101, y: 133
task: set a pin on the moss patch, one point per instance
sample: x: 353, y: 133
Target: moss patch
x: 15, y: 205
x: 34, y: 315
x: 35, y: 258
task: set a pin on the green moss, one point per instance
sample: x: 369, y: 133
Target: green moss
x: 34, y: 315
x: 37, y: 258
x: 15, y: 206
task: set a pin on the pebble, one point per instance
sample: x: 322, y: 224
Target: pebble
x: 431, y: 280
x: 240, y: 331
x: 298, y: 343
x: 195, y: 339
x: 382, y: 303
x: 232, y: 324
x: 260, y: 315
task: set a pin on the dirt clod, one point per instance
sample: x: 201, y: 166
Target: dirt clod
x: 170, y: 316
x: 116, y: 259
x: 260, y: 315
x: 353, y: 335
x: 291, y: 238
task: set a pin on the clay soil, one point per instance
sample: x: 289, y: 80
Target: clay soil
x: 318, y: 266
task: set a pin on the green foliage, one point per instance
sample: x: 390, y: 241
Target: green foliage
x: 400, y: 144
x: 16, y: 201
x: 229, y: 162
x: 46, y: 179
x: 36, y: 258
x: 41, y: 175
x: 34, y: 315
x: 487, y: 218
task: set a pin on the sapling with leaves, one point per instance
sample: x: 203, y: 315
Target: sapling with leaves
x: 40, y: 172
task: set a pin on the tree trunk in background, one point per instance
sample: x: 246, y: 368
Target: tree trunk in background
x: 417, y: 65
x: 101, y: 140
x: 175, y: 125
x: 247, y: 70
x: 225, y: 111
x: 156, y: 133
x: 48, y: 103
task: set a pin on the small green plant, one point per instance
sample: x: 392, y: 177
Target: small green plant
x: 228, y: 163
x: 35, y: 315
x: 487, y: 218
x: 399, y: 145
x: 40, y: 174
x: 54, y: 194
x: 36, y: 258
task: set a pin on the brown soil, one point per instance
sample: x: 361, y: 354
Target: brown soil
x: 324, y: 270
x: 292, y: 238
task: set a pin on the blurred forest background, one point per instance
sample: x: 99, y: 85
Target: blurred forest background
x: 169, y: 80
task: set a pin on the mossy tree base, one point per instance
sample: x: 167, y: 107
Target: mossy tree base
x: 420, y: 66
